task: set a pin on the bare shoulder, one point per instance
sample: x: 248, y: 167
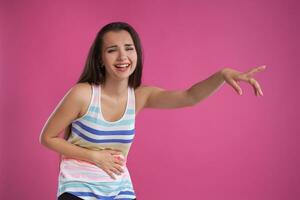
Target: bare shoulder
x: 156, y: 97
x: 69, y: 108
x: 142, y: 89
x: 142, y: 93
x: 82, y: 93
x: 145, y: 91
x: 77, y: 98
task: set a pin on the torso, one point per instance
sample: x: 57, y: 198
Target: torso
x: 107, y: 103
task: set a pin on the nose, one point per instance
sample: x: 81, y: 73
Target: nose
x: 122, y: 55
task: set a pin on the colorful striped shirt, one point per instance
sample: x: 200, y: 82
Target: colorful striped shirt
x: 86, y: 180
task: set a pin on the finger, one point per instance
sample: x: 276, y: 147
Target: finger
x: 235, y: 86
x: 256, y: 87
x: 256, y: 69
x: 119, y: 168
x: 253, y: 82
x: 259, y: 88
x: 116, y: 171
x: 119, y: 157
x: 119, y: 162
x: 110, y: 173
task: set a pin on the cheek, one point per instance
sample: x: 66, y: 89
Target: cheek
x: 108, y: 58
x: 104, y: 57
x: 134, y: 57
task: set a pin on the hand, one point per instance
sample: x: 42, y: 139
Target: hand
x: 232, y: 77
x: 108, y: 160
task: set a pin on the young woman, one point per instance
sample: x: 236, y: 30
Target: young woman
x: 98, y: 114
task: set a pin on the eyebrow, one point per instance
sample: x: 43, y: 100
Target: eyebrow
x: 113, y: 46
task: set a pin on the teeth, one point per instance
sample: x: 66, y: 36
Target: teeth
x: 122, y: 65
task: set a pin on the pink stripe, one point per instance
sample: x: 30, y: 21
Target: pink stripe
x: 75, y: 169
x: 93, y: 177
x: 79, y: 161
x: 85, y: 169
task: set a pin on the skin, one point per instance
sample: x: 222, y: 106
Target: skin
x: 119, y: 48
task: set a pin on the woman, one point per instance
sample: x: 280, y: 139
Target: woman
x: 98, y: 114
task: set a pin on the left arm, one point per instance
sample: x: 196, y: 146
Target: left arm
x: 160, y: 98
x: 207, y: 87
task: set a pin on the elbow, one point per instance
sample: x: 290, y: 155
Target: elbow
x: 192, y: 103
x: 190, y: 99
x: 43, y: 140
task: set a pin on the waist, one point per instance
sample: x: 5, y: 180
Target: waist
x: 124, y: 148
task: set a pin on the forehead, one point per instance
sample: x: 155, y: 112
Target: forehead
x: 117, y: 37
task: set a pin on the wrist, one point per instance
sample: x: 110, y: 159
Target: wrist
x: 90, y: 155
x: 223, y: 72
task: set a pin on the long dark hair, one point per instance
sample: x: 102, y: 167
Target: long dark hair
x: 93, y: 74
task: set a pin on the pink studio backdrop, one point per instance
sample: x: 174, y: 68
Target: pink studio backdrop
x: 227, y: 147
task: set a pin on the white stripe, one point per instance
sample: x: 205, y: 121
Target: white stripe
x: 110, y: 128
x: 85, y: 176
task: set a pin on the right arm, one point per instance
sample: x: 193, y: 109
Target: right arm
x: 65, y: 112
x: 69, y: 109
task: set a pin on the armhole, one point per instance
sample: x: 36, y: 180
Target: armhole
x: 90, y: 104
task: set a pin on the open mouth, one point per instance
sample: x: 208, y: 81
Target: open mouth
x: 122, y: 67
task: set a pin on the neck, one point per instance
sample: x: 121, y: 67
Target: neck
x: 115, y: 88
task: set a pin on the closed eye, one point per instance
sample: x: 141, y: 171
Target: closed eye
x: 127, y: 49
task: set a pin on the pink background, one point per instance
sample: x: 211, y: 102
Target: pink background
x: 227, y: 147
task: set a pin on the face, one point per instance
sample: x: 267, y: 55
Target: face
x: 119, y: 55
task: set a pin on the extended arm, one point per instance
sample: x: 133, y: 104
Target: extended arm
x: 160, y: 98
x: 207, y: 87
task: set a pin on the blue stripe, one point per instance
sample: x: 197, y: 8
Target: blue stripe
x: 77, y: 132
x: 94, y: 109
x: 74, y: 183
x: 90, y: 194
x: 103, y: 190
x: 126, y: 192
x: 100, y: 132
x: 130, y: 111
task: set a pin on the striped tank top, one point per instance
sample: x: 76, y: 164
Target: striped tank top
x: 86, y: 180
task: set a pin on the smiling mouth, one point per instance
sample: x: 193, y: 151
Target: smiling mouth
x: 122, y: 65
